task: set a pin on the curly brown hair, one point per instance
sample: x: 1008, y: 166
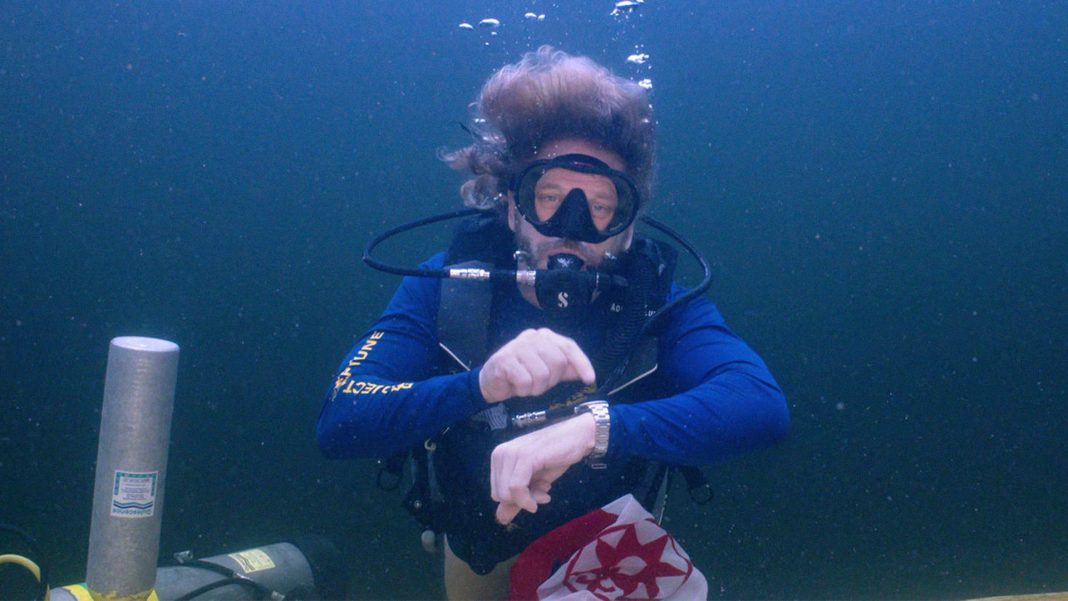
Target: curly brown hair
x: 549, y: 95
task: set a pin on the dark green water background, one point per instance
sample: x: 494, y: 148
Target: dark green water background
x: 880, y: 186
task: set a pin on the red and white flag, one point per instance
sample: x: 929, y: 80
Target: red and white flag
x: 616, y: 552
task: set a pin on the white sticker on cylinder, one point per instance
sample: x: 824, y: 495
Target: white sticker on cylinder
x: 134, y: 494
x: 253, y: 560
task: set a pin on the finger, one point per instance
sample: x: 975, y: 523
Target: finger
x: 539, y: 490
x: 522, y: 498
x: 556, y: 362
x: 540, y: 486
x: 518, y: 377
x: 541, y: 376
x: 519, y: 486
x: 493, y: 380
x: 493, y: 475
x: 506, y: 512
x: 502, y: 464
x: 578, y: 361
x: 510, y: 477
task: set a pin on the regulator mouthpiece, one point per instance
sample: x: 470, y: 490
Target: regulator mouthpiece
x: 565, y: 261
x: 564, y: 287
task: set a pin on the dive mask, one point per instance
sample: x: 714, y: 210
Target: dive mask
x: 605, y: 205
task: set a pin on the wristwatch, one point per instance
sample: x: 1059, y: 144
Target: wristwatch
x: 602, y: 421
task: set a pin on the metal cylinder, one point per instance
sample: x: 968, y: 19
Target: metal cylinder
x: 308, y: 567
x: 280, y: 567
x: 131, y: 466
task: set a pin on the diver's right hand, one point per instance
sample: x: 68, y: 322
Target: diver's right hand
x: 531, y: 363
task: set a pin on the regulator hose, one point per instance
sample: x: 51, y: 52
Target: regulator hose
x: 39, y: 570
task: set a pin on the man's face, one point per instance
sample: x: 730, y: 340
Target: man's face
x: 549, y: 194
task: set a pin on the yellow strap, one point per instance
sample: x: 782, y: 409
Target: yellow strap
x: 149, y: 595
x: 81, y: 593
x: 24, y: 562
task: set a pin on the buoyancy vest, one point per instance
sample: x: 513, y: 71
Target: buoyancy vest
x: 467, y: 338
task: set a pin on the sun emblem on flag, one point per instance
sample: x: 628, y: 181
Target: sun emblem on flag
x: 624, y: 564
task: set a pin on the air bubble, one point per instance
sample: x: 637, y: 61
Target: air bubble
x: 625, y: 7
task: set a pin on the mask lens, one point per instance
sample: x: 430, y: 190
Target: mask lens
x: 610, y: 198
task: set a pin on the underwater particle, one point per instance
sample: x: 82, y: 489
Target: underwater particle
x: 625, y: 7
x: 839, y: 406
x: 646, y: 83
x: 466, y: 25
x: 638, y: 58
x: 489, y: 23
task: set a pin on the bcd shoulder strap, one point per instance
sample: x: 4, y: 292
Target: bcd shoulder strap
x: 463, y: 318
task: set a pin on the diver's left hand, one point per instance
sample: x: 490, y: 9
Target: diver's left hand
x: 523, y: 469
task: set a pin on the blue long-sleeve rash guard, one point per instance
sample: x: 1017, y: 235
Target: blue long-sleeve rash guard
x: 718, y: 397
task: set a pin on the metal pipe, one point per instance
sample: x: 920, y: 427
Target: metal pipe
x: 131, y: 467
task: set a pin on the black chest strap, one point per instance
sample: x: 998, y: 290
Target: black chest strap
x: 463, y: 318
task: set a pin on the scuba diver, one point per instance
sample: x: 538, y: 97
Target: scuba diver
x: 546, y: 363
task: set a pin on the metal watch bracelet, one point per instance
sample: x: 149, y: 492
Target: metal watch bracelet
x: 602, y: 422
